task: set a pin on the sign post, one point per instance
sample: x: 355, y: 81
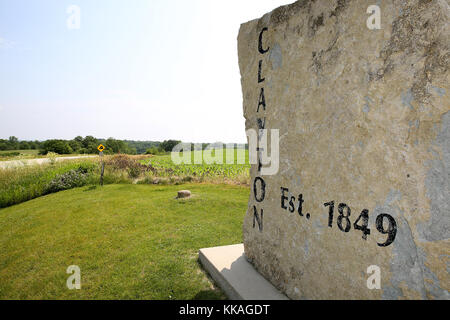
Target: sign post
x: 100, y: 148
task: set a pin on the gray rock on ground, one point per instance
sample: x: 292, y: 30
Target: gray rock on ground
x: 182, y: 194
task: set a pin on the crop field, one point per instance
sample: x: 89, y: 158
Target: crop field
x: 236, y: 166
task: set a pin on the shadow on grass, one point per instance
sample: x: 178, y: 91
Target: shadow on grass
x: 90, y: 188
x: 215, y: 293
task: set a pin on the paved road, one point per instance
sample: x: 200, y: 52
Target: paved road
x: 20, y: 163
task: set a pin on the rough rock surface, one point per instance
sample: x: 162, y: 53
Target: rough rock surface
x: 364, y: 121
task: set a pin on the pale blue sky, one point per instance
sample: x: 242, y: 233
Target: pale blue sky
x: 136, y: 69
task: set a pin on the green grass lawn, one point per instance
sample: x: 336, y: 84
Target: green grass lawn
x: 130, y: 241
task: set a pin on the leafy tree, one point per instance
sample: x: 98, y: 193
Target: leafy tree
x: 90, y: 141
x: 35, y: 144
x: 75, y: 145
x: 24, y: 145
x: 154, y: 151
x: 118, y: 146
x: 56, y: 146
x: 13, y: 143
x: 115, y: 146
x: 3, y: 144
x: 168, y: 145
x: 141, y: 146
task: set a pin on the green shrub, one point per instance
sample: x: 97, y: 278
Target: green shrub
x: 52, y: 157
x: 87, y: 167
x: 69, y: 180
x: 57, y: 146
x: 155, y: 151
x: 134, y: 172
x: 124, y: 162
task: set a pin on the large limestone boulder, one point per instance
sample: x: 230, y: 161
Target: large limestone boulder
x: 364, y: 150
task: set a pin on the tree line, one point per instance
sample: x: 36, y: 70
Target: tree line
x: 89, y: 144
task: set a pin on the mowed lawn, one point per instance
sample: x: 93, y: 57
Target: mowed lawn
x: 130, y: 241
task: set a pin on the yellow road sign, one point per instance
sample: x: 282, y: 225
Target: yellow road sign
x: 101, y: 148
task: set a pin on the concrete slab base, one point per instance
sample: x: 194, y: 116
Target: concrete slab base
x: 236, y: 276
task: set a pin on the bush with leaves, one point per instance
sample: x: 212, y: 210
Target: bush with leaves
x: 69, y: 180
x: 125, y: 162
x: 56, y: 146
x: 52, y: 157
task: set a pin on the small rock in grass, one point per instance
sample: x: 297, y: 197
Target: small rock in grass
x: 184, y: 194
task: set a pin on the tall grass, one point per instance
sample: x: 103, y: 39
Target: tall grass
x: 28, y: 182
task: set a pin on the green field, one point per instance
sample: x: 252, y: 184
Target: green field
x: 18, y: 154
x: 130, y: 241
x: 28, y: 182
x: 24, y: 152
x: 238, y: 166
